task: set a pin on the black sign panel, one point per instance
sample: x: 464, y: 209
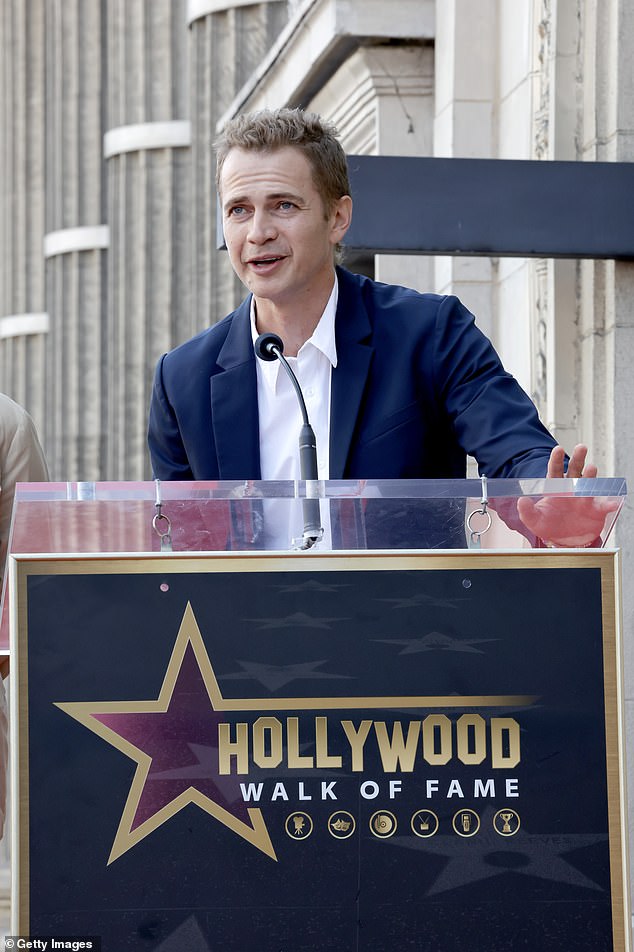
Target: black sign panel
x: 320, y: 752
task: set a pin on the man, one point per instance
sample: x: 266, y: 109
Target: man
x: 21, y: 460
x: 398, y: 384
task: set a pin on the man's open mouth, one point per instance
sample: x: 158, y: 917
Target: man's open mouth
x: 261, y: 262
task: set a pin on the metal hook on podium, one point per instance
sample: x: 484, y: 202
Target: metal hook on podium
x: 160, y: 523
x: 474, y: 539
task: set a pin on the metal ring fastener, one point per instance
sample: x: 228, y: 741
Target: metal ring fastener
x: 487, y: 525
x: 160, y: 518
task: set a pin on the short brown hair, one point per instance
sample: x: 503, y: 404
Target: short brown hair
x: 271, y: 129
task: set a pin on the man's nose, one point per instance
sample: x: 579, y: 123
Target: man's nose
x: 261, y: 227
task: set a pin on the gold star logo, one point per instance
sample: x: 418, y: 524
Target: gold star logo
x: 161, y: 737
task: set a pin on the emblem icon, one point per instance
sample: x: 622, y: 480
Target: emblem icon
x: 341, y: 825
x: 383, y: 824
x: 506, y: 822
x: 466, y: 823
x: 424, y: 823
x: 299, y: 826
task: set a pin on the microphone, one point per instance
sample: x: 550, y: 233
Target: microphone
x: 267, y: 345
x: 271, y: 347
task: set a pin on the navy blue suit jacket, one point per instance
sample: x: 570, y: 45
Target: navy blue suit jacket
x: 416, y: 388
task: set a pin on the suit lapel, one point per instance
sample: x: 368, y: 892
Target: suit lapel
x: 354, y: 356
x: 234, y: 403
x: 234, y: 400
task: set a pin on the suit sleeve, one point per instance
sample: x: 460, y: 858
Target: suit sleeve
x: 167, y: 452
x: 495, y: 421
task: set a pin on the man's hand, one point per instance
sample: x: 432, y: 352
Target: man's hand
x: 565, y: 519
x: 576, y: 466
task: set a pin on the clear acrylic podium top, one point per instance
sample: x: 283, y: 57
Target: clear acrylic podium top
x: 269, y: 516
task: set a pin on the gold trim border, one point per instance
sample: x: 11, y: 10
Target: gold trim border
x: 607, y: 560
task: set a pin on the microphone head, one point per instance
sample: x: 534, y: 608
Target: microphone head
x: 266, y: 345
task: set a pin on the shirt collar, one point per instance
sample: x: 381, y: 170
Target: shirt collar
x: 323, y: 337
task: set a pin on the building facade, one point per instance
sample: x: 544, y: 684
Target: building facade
x: 108, y: 250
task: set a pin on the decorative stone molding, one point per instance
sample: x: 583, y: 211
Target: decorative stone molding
x: 320, y: 36
x: 197, y: 9
x: 23, y: 325
x: 540, y: 293
x: 173, y: 134
x: 86, y: 238
x: 381, y: 101
x: 541, y: 144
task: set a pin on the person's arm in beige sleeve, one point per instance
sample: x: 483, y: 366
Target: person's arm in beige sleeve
x: 21, y: 461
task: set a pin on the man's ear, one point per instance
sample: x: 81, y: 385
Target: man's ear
x: 340, y: 218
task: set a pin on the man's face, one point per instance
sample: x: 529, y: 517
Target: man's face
x: 278, y: 233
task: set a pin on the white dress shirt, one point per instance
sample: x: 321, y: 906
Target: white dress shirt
x: 280, y: 417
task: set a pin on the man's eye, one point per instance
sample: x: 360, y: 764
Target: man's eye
x: 286, y: 206
x: 236, y: 211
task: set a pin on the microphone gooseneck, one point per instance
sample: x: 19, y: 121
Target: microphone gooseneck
x: 271, y: 347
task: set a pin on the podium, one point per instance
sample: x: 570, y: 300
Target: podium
x: 223, y: 741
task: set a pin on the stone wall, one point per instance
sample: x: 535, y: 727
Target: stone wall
x: 108, y: 110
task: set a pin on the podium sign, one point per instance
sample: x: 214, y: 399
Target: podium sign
x: 338, y: 751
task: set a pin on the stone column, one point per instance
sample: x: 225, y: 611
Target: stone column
x: 23, y: 317
x: 606, y: 71
x: 147, y: 152
x: 76, y: 239
x: 606, y: 77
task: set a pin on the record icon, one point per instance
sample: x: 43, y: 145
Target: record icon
x: 383, y: 824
